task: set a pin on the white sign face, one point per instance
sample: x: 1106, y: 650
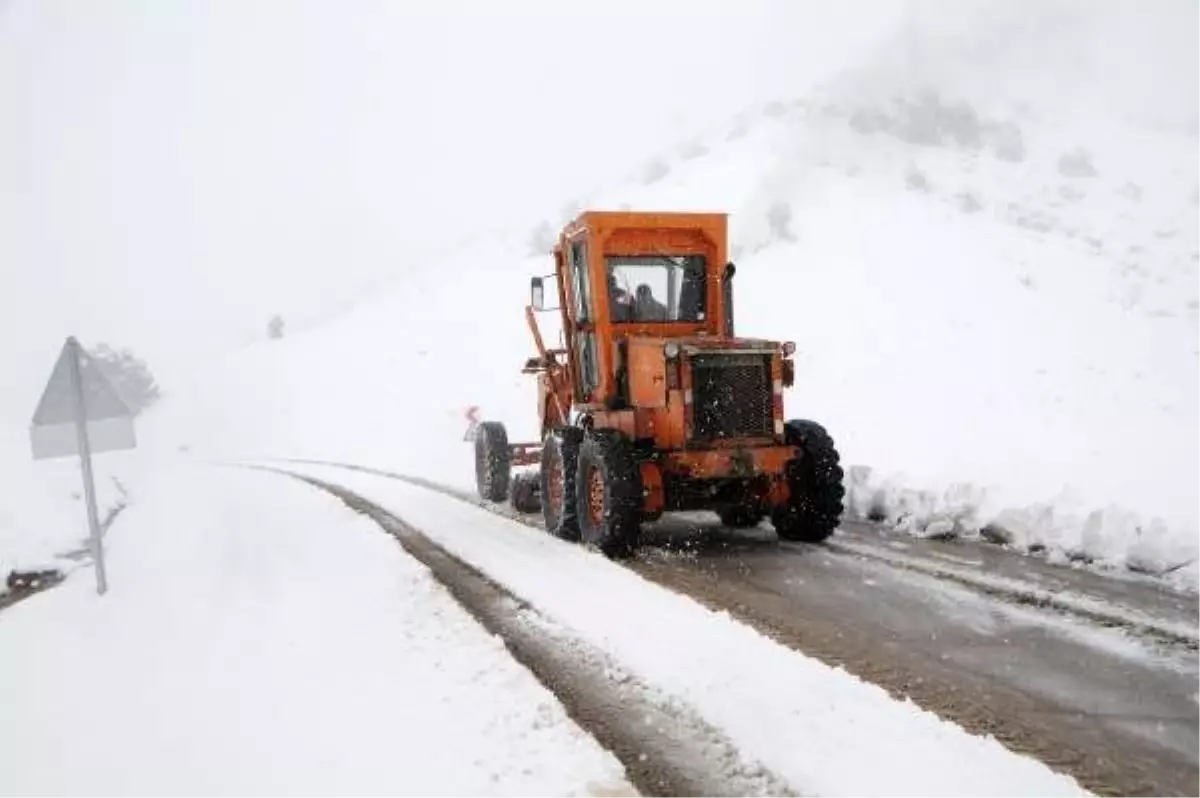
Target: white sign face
x: 62, y: 440
x: 109, y: 422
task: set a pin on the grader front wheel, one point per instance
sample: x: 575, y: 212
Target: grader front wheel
x: 814, y: 510
x: 608, y: 490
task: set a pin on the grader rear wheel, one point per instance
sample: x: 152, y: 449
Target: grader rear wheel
x: 525, y: 493
x: 560, y: 457
x: 493, y: 466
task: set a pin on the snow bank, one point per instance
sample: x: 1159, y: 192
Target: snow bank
x: 258, y: 637
x: 1062, y: 528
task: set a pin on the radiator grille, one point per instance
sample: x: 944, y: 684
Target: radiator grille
x: 732, y: 396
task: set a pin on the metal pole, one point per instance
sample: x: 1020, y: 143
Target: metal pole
x: 85, y: 459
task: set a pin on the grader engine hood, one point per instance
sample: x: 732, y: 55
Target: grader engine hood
x: 724, y: 389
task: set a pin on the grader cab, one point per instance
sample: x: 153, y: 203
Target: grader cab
x: 651, y: 404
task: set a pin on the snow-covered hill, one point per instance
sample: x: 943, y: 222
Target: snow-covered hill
x: 997, y: 337
x: 987, y: 255
x: 1023, y: 321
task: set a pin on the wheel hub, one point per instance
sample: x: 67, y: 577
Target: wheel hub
x: 555, y: 488
x: 596, y: 498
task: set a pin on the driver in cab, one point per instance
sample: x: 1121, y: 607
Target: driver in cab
x: 642, y: 306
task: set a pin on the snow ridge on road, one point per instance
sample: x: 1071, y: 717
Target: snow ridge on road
x: 1105, y: 731
x: 665, y: 748
x: 812, y: 724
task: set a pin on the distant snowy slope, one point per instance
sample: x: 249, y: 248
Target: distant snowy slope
x: 995, y: 306
x: 964, y: 316
x: 985, y: 243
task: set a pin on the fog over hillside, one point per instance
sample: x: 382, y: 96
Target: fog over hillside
x: 175, y: 173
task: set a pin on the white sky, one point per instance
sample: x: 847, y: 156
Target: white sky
x: 173, y: 172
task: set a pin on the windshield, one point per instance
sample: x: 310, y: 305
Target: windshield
x: 656, y: 288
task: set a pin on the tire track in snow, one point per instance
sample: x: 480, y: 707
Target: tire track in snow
x: 1071, y: 737
x: 1020, y: 592
x: 1007, y: 589
x: 665, y: 748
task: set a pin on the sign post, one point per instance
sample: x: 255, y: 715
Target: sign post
x: 85, y: 461
x: 81, y: 413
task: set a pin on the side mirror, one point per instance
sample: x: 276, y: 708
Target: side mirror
x: 730, y: 270
x: 537, y: 295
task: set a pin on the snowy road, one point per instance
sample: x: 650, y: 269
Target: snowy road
x: 258, y: 638
x: 1117, y: 711
x: 1111, y: 703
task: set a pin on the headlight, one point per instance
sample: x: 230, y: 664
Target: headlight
x: 789, y: 348
x: 671, y: 349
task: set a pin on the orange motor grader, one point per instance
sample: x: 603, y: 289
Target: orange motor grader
x: 652, y: 404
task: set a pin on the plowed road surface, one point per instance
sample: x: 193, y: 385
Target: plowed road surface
x: 1093, y: 674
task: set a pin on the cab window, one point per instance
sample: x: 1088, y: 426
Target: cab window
x: 657, y: 288
x: 581, y: 285
x: 585, y: 339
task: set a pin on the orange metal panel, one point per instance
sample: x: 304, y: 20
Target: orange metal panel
x: 647, y: 374
x: 645, y: 422
x: 715, y: 463
x: 653, y: 497
x: 671, y: 433
x: 779, y: 492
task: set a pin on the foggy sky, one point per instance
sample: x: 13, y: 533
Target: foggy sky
x: 172, y: 173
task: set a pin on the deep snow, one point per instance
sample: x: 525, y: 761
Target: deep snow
x: 259, y: 637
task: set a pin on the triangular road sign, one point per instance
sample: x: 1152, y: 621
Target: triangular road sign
x: 80, y: 413
x: 100, y: 399
x: 54, y: 433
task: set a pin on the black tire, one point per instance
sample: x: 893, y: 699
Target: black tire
x: 525, y: 492
x: 608, y: 491
x: 814, y: 509
x: 493, y: 467
x: 560, y: 457
x: 741, y: 517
